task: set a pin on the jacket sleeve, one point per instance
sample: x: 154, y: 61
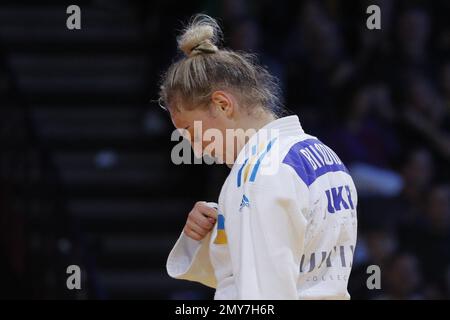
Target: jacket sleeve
x: 269, y: 238
x: 189, y: 259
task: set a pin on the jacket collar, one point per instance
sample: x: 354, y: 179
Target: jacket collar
x: 269, y: 134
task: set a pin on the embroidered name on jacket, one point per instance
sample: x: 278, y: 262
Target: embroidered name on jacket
x: 311, y: 159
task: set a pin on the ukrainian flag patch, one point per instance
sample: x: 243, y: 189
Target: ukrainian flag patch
x: 221, y: 237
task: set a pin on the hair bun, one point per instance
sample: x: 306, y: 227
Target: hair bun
x: 200, y: 36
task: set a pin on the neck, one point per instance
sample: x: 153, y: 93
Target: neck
x: 250, y: 125
x: 256, y: 123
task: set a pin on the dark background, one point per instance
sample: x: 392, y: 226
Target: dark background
x: 85, y: 170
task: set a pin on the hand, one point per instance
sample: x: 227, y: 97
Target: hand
x: 200, y: 221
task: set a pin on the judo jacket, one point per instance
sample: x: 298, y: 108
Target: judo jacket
x: 286, y: 226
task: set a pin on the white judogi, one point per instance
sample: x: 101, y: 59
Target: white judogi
x: 287, y: 223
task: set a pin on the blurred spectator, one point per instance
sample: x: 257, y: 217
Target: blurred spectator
x: 432, y: 248
x: 413, y: 35
x: 367, y: 141
x: 417, y: 173
x: 367, y: 134
x: 246, y: 36
x: 401, y: 278
x: 426, y: 115
x: 317, y: 65
x: 378, y: 245
x: 445, y: 82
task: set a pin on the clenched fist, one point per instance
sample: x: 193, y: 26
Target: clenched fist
x: 200, y: 221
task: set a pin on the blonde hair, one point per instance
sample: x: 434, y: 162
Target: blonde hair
x: 206, y: 68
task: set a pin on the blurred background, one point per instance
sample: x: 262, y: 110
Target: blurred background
x: 85, y: 170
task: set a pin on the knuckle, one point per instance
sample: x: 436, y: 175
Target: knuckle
x: 192, y: 215
x: 196, y: 236
x: 207, y: 225
x: 198, y: 203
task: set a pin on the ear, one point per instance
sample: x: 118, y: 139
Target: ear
x: 223, y: 102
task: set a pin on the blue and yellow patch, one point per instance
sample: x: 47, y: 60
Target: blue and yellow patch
x: 221, y: 237
x: 252, y: 163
